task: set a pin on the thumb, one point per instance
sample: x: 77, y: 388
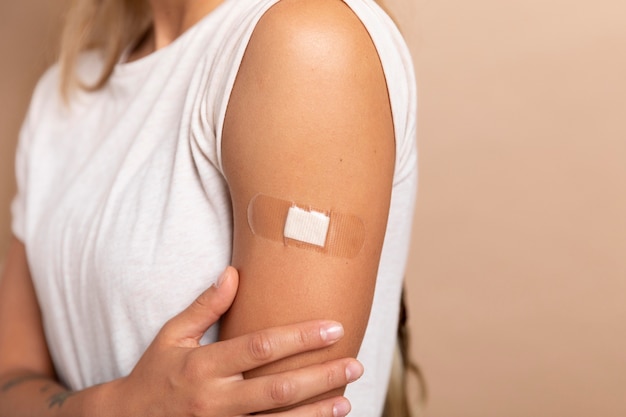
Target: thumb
x: 194, y: 321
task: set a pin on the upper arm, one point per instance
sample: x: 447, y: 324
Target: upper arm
x: 22, y: 341
x: 308, y: 121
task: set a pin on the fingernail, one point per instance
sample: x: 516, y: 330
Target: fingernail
x: 331, y: 332
x: 222, y: 278
x: 354, y: 370
x: 341, y: 408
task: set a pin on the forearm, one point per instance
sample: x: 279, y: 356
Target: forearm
x: 26, y: 394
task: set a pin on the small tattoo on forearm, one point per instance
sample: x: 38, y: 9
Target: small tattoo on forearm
x: 46, y: 388
x: 59, y: 399
x: 20, y: 380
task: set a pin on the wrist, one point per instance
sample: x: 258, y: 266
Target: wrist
x: 98, y: 401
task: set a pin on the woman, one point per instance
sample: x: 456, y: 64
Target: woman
x: 203, y: 125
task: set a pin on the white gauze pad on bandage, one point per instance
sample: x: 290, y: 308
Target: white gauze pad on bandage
x: 306, y: 226
x: 294, y: 224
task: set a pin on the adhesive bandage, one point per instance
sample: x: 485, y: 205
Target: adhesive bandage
x: 293, y: 224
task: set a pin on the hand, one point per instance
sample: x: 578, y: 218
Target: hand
x: 178, y: 377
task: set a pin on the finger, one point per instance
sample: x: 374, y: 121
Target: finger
x: 194, y: 321
x: 292, y: 387
x: 255, y: 349
x: 332, y: 407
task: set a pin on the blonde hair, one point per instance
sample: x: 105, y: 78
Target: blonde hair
x: 407, y: 392
x: 109, y: 26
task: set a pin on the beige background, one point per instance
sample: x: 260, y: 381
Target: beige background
x: 517, y: 274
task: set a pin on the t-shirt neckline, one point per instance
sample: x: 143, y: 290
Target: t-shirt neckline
x: 123, y: 67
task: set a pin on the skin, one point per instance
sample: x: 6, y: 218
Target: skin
x: 310, y: 84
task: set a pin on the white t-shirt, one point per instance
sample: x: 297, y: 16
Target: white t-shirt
x: 125, y: 212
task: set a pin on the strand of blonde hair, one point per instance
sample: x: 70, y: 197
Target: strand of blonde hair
x: 108, y: 26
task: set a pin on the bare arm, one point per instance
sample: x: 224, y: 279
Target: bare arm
x: 308, y: 121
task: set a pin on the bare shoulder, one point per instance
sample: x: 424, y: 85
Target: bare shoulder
x: 320, y: 35
x: 310, y: 83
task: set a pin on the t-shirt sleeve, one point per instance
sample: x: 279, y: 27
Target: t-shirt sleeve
x: 237, y: 47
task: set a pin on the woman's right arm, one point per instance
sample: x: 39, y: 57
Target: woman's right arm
x: 175, y: 376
